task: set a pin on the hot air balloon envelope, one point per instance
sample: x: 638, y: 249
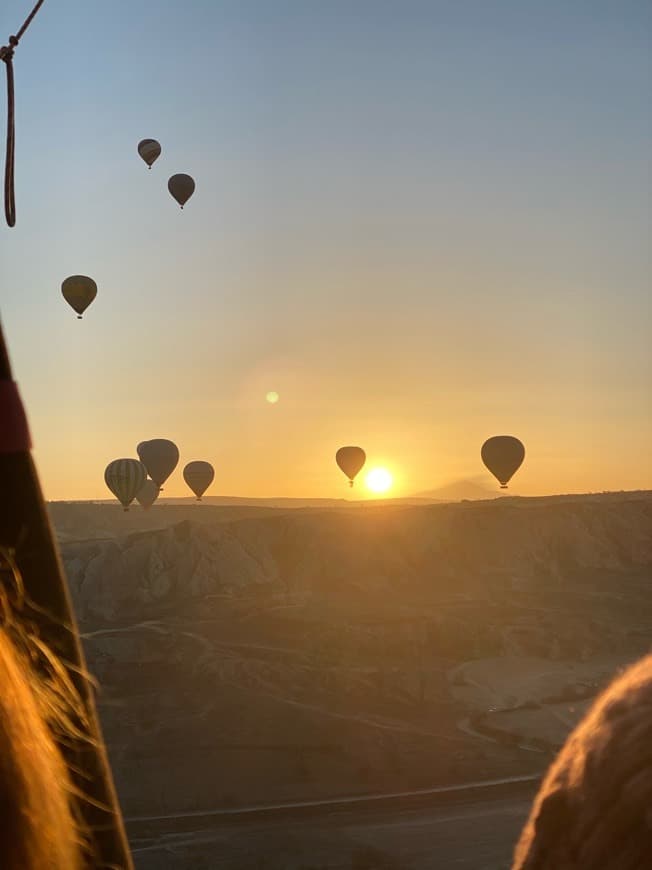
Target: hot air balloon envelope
x: 160, y: 458
x: 79, y: 291
x: 181, y: 187
x: 503, y: 455
x: 149, y: 150
x: 199, y: 476
x: 125, y: 477
x: 350, y: 460
x: 147, y: 494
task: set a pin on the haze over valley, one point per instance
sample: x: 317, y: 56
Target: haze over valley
x: 255, y: 655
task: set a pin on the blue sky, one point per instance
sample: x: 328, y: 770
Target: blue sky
x: 423, y: 223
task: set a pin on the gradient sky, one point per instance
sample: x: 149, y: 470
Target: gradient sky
x: 422, y: 223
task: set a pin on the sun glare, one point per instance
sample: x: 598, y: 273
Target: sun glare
x: 378, y: 480
x: 272, y: 397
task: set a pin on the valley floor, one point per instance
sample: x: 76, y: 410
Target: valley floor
x: 475, y: 830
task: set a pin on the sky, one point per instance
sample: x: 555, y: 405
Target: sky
x: 421, y: 223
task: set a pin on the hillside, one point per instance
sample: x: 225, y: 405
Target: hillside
x: 290, y: 655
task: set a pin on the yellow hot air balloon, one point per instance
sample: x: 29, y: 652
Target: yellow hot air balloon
x: 199, y: 476
x: 149, y: 150
x: 160, y: 457
x: 147, y: 494
x: 79, y: 291
x: 503, y: 455
x: 125, y: 477
x: 181, y: 187
x: 350, y: 460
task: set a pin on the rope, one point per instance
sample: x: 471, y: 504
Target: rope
x: 7, y: 55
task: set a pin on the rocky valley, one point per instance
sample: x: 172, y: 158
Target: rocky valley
x: 259, y: 655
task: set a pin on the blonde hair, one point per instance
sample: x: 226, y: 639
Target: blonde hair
x: 38, y: 825
x: 594, y: 808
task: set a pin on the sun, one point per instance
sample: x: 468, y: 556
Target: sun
x: 379, y: 480
x: 272, y: 397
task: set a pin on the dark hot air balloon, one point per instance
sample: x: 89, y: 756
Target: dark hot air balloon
x: 149, y: 150
x: 181, y: 187
x: 350, y: 460
x: 503, y: 455
x: 79, y: 291
x: 199, y: 476
x: 147, y: 494
x: 160, y: 458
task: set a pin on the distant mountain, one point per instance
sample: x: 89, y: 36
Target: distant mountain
x: 271, y: 502
x: 459, y: 490
x: 88, y: 520
x: 85, y: 520
x: 226, y: 501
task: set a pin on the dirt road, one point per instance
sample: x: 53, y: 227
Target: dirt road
x: 474, y: 828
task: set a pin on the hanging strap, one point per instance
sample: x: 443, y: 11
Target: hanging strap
x: 14, y: 431
x: 7, y: 56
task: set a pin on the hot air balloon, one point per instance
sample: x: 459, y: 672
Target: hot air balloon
x: 147, y: 494
x: 79, y: 291
x: 199, y: 476
x: 125, y: 477
x: 181, y: 187
x: 149, y: 150
x: 160, y: 458
x: 503, y: 456
x: 350, y: 460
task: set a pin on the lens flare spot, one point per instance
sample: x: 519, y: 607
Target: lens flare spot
x: 379, y: 480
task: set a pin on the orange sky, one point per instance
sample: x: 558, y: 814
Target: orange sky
x: 420, y: 233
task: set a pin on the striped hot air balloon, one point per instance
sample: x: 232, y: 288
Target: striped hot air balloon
x: 125, y: 477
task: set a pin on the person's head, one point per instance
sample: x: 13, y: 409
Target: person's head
x: 594, y: 808
x: 37, y: 827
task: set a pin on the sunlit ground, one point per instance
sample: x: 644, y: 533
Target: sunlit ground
x: 379, y: 480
